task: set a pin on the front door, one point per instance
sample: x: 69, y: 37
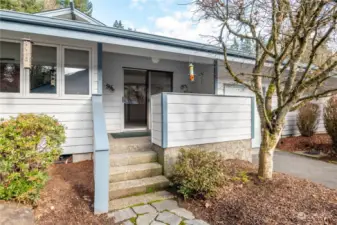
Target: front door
x: 139, y: 85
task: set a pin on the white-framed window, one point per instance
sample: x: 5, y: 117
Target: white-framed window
x: 58, y: 71
x: 11, y: 71
x: 44, y: 76
x: 76, y: 76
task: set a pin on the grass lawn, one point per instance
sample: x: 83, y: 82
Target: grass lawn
x: 284, y: 200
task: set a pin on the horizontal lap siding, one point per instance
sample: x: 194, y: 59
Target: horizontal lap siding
x: 74, y: 114
x: 198, y: 119
x: 156, y: 120
x: 112, y: 110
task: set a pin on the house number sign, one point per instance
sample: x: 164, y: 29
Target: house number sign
x: 27, y: 53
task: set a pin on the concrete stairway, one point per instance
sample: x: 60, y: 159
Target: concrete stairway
x: 134, y: 170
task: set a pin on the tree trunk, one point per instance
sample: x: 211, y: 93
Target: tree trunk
x: 267, y: 148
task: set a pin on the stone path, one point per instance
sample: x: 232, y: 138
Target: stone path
x: 12, y: 214
x: 156, y: 213
x: 304, y: 167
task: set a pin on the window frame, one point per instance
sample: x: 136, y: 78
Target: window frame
x: 89, y: 50
x: 21, y: 87
x: 58, y: 75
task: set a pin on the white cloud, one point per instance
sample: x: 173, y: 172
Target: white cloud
x: 185, y: 25
x: 137, y: 4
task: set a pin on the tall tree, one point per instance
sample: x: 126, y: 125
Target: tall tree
x: 34, y: 6
x: 28, y: 6
x: 288, y: 36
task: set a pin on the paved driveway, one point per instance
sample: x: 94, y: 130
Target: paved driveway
x: 301, y: 166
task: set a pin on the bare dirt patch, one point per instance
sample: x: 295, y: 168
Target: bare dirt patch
x: 68, y: 196
x: 283, y: 200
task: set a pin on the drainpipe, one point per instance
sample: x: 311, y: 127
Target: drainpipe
x: 72, y: 8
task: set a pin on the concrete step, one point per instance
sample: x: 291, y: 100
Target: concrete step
x: 123, y: 145
x: 126, y: 202
x: 139, y: 186
x: 132, y: 172
x: 132, y: 158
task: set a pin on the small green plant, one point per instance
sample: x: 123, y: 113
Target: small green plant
x: 308, y: 118
x: 133, y: 220
x: 330, y: 121
x: 28, y: 145
x: 198, y: 173
x: 241, y: 177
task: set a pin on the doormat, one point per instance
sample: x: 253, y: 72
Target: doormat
x: 131, y: 134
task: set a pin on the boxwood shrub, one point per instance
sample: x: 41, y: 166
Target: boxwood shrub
x: 330, y: 121
x: 28, y: 145
x: 198, y: 173
x: 308, y: 119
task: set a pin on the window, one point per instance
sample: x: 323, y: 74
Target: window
x: 76, y: 72
x: 10, y: 67
x: 43, y: 72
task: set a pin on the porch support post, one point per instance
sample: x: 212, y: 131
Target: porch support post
x: 99, y: 68
x: 101, y: 145
x: 216, y: 76
x: 164, y: 120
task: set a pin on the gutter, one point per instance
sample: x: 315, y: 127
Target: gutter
x: 36, y: 20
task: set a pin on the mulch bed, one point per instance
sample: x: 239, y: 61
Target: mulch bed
x: 283, y: 200
x: 320, y: 142
x: 68, y: 196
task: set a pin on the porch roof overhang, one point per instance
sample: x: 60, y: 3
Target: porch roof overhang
x: 36, y: 24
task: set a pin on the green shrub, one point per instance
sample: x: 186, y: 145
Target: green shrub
x: 308, y: 118
x: 330, y: 121
x: 198, y: 173
x: 28, y: 145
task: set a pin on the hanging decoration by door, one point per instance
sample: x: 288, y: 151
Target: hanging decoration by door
x: 191, y: 66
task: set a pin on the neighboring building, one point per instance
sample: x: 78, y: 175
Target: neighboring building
x: 98, y: 80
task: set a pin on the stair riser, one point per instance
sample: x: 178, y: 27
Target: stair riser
x: 137, y: 190
x: 132, y: 175
x: 122, y: 148
x: 133, y: 160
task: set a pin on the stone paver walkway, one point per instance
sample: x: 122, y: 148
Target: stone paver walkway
x: 156, y: 213
x: 304, y: 167
x: 12, y: 214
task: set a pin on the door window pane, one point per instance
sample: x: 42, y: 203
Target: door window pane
x: 76, y: 72
x: 43, y: 73
x: 9, y: 67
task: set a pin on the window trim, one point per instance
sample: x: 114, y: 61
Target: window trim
x: 22, y: 86
x: 63, y: 48
x: 58, y: 75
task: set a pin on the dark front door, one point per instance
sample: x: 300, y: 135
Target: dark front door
x: 139, y: 85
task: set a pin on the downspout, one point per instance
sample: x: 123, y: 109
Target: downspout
x: 72, y: 8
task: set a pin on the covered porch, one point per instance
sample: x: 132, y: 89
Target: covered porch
x: 97, y: 81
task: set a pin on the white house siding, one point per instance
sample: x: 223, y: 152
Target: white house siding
x: 156, y: 119
x: 72, y: 111
x: 113, y: 74
x: 75, y: 114
x: 200, y: 119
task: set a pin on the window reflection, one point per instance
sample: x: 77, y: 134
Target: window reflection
x: 9, y: 67
x: 43, y: 72
x: 76, y: 72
